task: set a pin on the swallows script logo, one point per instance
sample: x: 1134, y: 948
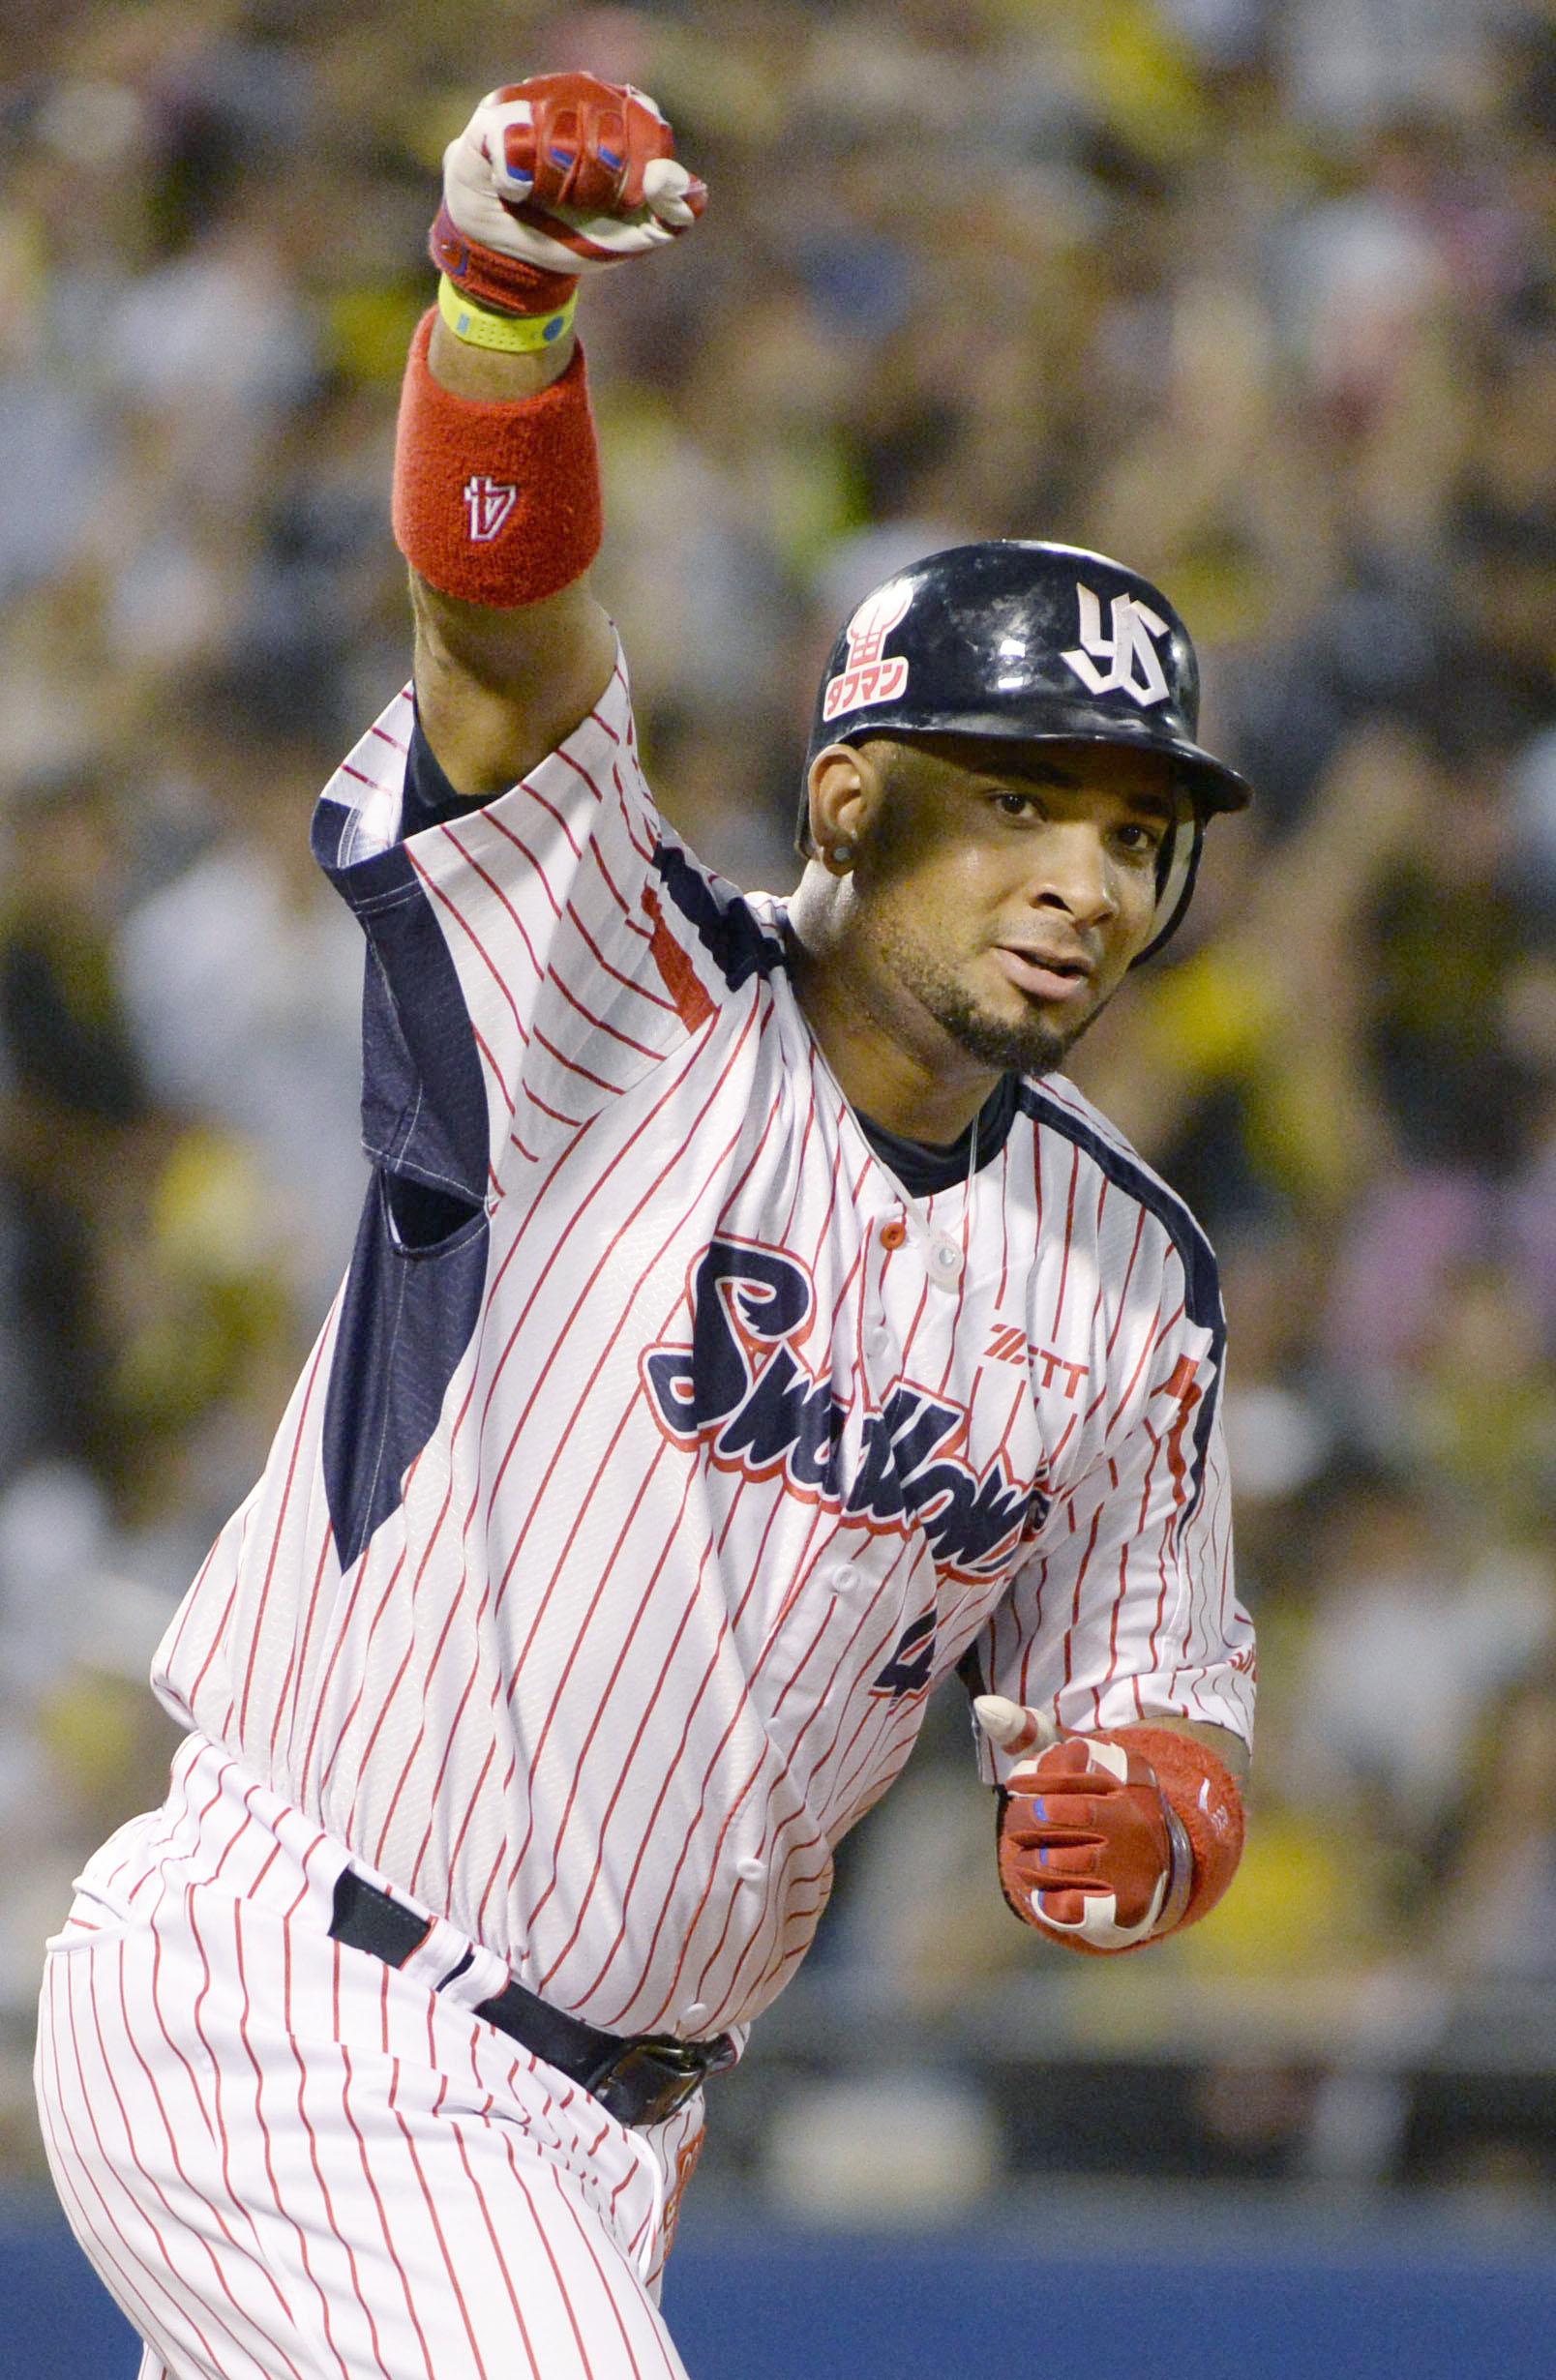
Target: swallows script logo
x: 742, y: 1390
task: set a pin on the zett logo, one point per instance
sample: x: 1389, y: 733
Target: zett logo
x: 1007, y: 1344
x: 1128, y: 650
x: 488, y: 504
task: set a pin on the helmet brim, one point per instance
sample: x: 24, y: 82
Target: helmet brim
x: 1213, y: 786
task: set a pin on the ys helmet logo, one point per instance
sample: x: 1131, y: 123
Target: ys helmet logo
x: 1128, y: 650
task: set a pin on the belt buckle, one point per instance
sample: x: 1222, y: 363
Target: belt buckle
x: 649, y: 2080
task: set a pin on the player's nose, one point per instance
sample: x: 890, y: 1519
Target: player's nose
x: 1073, y: 869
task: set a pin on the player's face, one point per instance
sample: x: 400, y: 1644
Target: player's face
x: 1006, y: 892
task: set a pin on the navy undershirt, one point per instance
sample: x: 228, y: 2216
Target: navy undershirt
x: 923, y: 1166
x: 920, y: 1166
x: 429, y: 800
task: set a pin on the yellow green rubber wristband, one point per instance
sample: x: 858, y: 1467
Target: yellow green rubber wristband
x: 483, y: 326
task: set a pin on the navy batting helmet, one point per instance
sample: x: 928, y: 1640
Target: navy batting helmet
x: 1034, y: 643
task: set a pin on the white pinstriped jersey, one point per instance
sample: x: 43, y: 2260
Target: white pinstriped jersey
x: 611, y: 1541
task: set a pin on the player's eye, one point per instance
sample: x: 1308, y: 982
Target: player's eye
x: 1139, y: 839
x: 1012, y: 804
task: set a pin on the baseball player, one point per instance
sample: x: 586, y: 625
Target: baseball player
x: 747, y: 1325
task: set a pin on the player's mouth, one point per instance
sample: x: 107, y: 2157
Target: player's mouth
x: 1045, y: 974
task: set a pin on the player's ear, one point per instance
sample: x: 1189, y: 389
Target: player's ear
x: 845, y: 790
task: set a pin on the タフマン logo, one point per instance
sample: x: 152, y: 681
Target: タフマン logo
x: 742, y: 1392
x: 871, y: 676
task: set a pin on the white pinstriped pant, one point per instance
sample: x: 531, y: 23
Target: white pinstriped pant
x: 288, y: 2161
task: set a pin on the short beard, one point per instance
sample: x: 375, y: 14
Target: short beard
x: 1033, y: 1046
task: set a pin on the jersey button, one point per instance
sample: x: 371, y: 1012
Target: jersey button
x: 893, y: 1233
x: 845, y: 1579
x: 946, y: 1262
x: 693, y: 2016
x: 751, y: 1871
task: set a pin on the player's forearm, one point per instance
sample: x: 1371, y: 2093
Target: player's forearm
x: 496, y: 689
x: 499, y: 686
x: 491, y: 376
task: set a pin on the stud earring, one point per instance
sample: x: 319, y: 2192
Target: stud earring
x: 841, y: 854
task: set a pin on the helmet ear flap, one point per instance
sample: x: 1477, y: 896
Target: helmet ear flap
x: 1176, y: 873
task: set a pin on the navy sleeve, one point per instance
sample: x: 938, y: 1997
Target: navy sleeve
x: 413, y: 1293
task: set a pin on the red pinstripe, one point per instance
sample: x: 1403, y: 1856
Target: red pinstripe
x: 603, y: 1025
x: 116, y: 2253
x: 632, y: 1215
x: 481, y: 2200
x: 292, y: 2029
x: 245, y: 2010
x: 644, y: 990
x: 380, y: 2209
x: 736, y: 1797
x: 439, y: 1644
x: 572, y: 1064
x: 337, y: 1653
x: 690, y: 1710
x: 570, y: 1123
x: 596, y: 1725
x: 1066, y: 1239
x: 227, y: 2135
x: 293, y: 1458
x: 149, y: 2180
x: 297, y: 1658
x: 437, y: 893
x: 857, y: 1658
x: 500, y: 1080
x: 1128, y: 1276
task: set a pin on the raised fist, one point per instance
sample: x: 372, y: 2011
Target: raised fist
x: 554, y: 178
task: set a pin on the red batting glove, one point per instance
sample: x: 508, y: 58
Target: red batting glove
x: 1107, y: 1841
x: 1090, y: 1847
x: 555, y: 177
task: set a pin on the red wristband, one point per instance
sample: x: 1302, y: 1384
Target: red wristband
x: 496, y: 504
x: 503, y: 281
x: 1203, y: 1793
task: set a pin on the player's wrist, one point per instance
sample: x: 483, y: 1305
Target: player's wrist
x: 504, y: 285
x: 497, y: 332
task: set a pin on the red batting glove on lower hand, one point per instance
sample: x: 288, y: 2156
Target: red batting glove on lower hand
x: 555, y: 177
x: 1095, y: 1845
x: 1091, y: 1849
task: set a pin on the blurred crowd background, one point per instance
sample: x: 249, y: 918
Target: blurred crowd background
x: 1259, y: 295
